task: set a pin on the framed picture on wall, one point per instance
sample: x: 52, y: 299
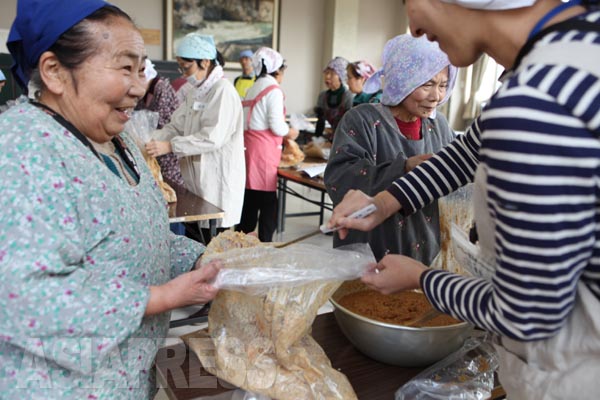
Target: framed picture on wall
x: 236, y: 25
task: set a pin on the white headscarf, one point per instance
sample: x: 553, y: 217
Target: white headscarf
x: 492, y: 4
x: 268, y: 57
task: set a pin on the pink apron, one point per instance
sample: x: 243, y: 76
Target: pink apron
x: 263, y: 151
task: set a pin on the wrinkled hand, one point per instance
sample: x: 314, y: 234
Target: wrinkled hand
x: 187, y: 289
x: 155, y: 148
x: 353, y: 201
x: 414, y: 161
x: 394, y: 273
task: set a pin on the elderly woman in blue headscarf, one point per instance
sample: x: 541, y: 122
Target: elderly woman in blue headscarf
x: 90, y: 269
x: 377, y: 143
x: 206, y: 133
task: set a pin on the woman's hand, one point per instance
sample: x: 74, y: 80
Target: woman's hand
x: 292, y: 134
x: 394, y: 273
x: 155, y: 148
x: 414, y: 161
x: 187, y: 289
x: 353, y: 201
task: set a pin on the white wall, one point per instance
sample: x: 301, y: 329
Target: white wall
x: 304, y: 33
x: 380, y: 20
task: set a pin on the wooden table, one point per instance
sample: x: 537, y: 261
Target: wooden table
x: 191, y: 208
x: 285, y: 175
x: 184, y: 378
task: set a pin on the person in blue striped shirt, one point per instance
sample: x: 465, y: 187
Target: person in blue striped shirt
x: 534, y: 158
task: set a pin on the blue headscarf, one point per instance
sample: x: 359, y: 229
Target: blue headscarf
x: 197, y: 47
x: 38, y: 25
x: 2, y: 77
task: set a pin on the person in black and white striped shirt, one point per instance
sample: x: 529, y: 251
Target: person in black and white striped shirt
x: 534, y: 155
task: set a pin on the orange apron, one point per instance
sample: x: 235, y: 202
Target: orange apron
x: 263, y: 151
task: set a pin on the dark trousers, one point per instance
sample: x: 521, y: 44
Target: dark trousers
x: 261, y: 207
x: 192, y: 231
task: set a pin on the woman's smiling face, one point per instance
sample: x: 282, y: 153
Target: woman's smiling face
x: 100, y: 94
x: 424, y: 100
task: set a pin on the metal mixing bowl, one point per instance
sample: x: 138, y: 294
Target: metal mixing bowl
x: 396, y: 344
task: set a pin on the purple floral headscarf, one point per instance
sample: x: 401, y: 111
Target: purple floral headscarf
x: 408, y: 63
x: 363, y: 68
x: 338, y: 64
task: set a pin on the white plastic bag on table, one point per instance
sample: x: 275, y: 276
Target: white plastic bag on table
x: 467, y: 374
x: 299, y: 122
x: 318, y: 147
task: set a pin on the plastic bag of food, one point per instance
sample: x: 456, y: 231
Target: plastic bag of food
x: 318, y: 148
x: 140, y: 126
x: 469, y: 257
x: 257, y: 270
x: 291, y: 155
x: 455, y: 209
x: 258, y: 337
x: 467, y: 374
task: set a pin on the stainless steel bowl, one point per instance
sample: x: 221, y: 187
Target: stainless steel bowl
x: 396, y: 344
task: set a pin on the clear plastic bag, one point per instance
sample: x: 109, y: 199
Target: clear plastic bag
x: 259, y: 332
x: 469, y: 256
x: 299, y: 122
x: 257, y: 270
x: 455, y: 209
x: 467, y: 374
x: 318, y: 148
x: 141, y: 124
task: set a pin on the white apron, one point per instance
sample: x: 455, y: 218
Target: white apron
x: 566, y: 366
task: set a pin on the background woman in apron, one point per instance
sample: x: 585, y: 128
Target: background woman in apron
x: 264, y: 131
x: 534, y: 155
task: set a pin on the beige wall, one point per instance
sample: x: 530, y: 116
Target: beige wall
x: 306, y: 36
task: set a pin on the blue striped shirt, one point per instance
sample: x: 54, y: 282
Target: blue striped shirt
x: 538, y: 141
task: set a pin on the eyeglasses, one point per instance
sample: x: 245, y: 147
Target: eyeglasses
x: 185, y: 64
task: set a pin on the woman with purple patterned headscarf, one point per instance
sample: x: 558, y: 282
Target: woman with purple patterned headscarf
x: 358, y: 73
x: 377, y: 143
x: 337, y: 99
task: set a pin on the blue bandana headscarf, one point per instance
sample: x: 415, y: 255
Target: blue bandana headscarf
x: 38, y: 25
x: 197, y: 47
x: 2, y: 77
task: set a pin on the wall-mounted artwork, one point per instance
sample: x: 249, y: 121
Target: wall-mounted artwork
x: 236, y: 25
